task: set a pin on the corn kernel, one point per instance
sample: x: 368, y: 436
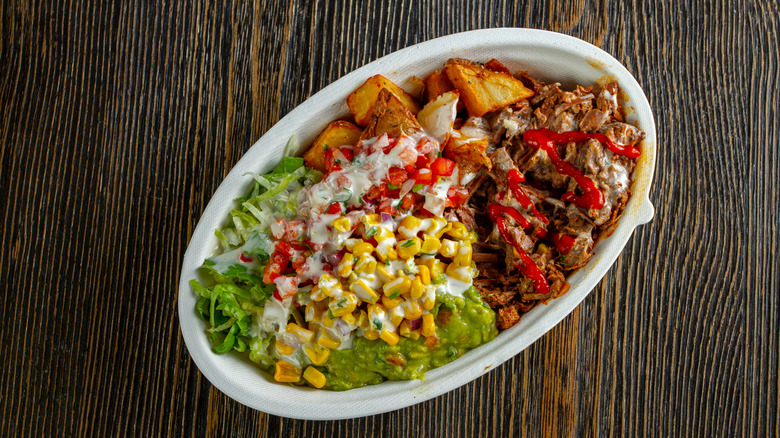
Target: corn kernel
x: 386, y: 251
x: 328, y: 341
x: 463, y: 257
x: 364, y: 291
x: 430, y: 245
x: 404, y: 329
x: 400, y: 286
x: 409, y: 226
x: 438, y: 227
x: 396, y: 316
x: 425, y: 274
x: 370, y: 220
x: 417, y: 288
x: 345, y: 266
x: 342, y: 224
x: 284, y: 349
x: 350, y: 319
x: 428, y: 303
x: 414, y: 335
x: 344, y: 305
x: 458, y: 231
x: 287, y: 372
x: 389, y: 337
x: 462, y: 273
x: 362, y: 248
x: 316, y: 293
x: 318, y: 355
x: 449, y: 248
x: 329, y: 285
x: 409, y: 248
x: 362, y: 320
x: 391, y: 303
x: 302, y: 334
x: 435, y: 267
x: 350, y: 243
x: 328, y: 319
x: 412, y: 309
x: 384, y: 273
x: 371, y: 335
x: 383, y: 234
x: 428, y: 325
x: 376, y: 316
x: 366, y: 264
x: 314, y: 376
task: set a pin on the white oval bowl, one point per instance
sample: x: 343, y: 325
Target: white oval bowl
x: 545, y: 55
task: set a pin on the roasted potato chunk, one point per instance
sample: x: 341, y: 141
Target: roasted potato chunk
x: 391, y: 117
x: 468, y: 152
x: 483, y: 90
x: 338, y: 133
x: 362, y: 101
x: 436, y: 84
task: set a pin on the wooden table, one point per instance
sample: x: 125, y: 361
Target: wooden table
x: 119, y: 121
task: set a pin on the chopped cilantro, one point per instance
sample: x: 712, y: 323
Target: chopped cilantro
x: 342, y: 302
x: 395, y: 294
x: 378, y: 324
x: 392, y: 186
x: 407, y: 243
x: 371, y: 232
x: 324, y: 147
x: 417, y: 188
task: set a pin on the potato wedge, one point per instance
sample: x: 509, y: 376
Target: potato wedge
x: 361, y: 102
x: 391, y: 117
x: 467, y: 152
x: 436, y: 84
x: 337, y: 133
x: 483, y: 90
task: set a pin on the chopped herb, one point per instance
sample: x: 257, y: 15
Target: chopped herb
x: 392, y: 186
x: 378, y: 324
x: 362, y: 202
x: 338, y: 162
x: 441, y: 154
x: 452, y: 352
x: 330, y: 314
x: 407, y: 243
x: 342, y: 302
x: 324, y: 147
x: 371, y: 232
x: 395, y: 294
x: 417, y: 188
x: 563, y: 257
x: 387, y: 262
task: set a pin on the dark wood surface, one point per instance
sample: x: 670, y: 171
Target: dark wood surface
x: 118, y: 120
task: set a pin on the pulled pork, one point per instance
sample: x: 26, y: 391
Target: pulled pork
x: 558, y: 236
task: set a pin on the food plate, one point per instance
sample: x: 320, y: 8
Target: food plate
x: 546, y: 56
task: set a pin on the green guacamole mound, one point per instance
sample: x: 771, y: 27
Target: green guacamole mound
x: 462, y: 323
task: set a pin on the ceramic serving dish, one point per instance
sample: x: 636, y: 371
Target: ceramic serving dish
x: 545, y: 55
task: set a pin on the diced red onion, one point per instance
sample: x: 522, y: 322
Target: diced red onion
x: 386, y: 216
x: 343, y: 327
x: 335, y: 258
x: 415, y: 323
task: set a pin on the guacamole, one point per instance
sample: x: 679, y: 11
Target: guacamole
x: 462, y: 323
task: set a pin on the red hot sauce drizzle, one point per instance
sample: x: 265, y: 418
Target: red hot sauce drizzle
x: 528, y: 266
x: 548, y: 141
x: 513, y: 179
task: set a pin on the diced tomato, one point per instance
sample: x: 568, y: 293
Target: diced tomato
x: 347, y: 153
x: 386, y: 206
x: 397, y: 176
x: 442, y: 166
x: 425, y: 146
x: 285, y: 287
x: 422, y: 161
x: 456, y: 197
x: 298, y: 261
x: 423, y: 176
x: 391, y: 143
x: 335, y: 208
x: 408, y: 201
x: 283, y: 249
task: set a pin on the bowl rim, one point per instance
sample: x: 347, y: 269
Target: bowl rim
x: 227, y: 373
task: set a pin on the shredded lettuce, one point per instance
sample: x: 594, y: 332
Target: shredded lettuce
x: 233, y: 305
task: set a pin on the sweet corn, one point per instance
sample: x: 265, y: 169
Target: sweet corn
x: 342, y: 224
x: 328, y: 319
x: 366, y: 263
x: 400, y: 286
x: 287, y: 372
x: 350, y: 243
x: 384, y: 273
x: 463, y: 257
x: 412, y: 309
x: 376, y: 316
x: 428, y: 325
x: 449, y: 248
x: 414, y: 335
x: 344, y: 305
x: 458, y: 231
x: 345, y: 266
x: 429, y: 302
x: 417, y: 288
x: 435, y: 267
x: 362, y: 248
x: 389, y: 337
x: 314, y: 376
x: 362, y: 320
x: 409, y: 226
x: 386, y: 251
x: 430, y: 245
x: 316, y: 293
x: 396, y: 316
x: 303, y: 334
x: 438, y: 227
x: 425, y: 274
x: 314, y: 311
x: 328, y: 341
x: 383, y: 234
x: 370, y: 220
x: 284, y: 349
x: 329, y: 285
x: 409, y: 248
x: 350, y: 319
x: 318, y: 355
x: 462, y: 273
x: 371, y: 335
x: 391, y: 303
x: 404, y: 329
x: 364, y: 291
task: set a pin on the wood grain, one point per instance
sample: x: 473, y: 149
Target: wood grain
x: 120, y: 119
